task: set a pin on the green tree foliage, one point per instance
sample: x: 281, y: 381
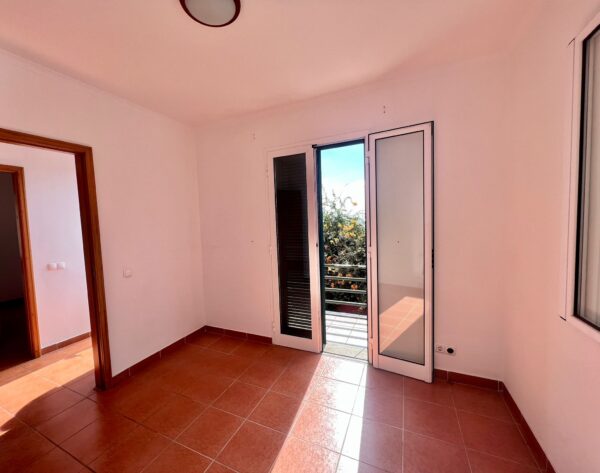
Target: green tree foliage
x: 345, y: 243
x: 343, y: 231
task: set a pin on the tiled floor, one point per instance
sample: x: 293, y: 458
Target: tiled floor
x: 221, y: 405
x: 346, y: 335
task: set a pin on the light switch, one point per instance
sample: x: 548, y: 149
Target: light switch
x: 61, y: 265
x: 127, y: 273
x: 52, y: 266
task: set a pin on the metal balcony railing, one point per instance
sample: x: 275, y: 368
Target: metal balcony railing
x: 346, y: 285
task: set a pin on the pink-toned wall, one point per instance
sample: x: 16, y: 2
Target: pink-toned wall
x: 466, y: 101
x: 551, y: 368
x: 147, y: 197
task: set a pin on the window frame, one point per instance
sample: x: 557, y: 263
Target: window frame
x: 575, y: 155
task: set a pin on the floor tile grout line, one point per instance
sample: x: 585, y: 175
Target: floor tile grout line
x: 244, y: 419
x: 462, y: 435
x: 509, y: 460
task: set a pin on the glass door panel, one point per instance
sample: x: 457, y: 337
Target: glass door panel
x: 401, y: 250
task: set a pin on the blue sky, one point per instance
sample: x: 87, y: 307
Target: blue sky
x: 342, y: 172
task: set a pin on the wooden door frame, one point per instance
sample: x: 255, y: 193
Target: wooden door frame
x: 18, y: 181
x: 90, y: 228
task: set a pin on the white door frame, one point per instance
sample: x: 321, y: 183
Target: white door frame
x: 315, y: 343
x: 414, y: 370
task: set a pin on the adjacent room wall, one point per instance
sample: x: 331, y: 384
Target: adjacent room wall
x: 147, y: 197
x: 466, y: 101
x: 551, y: 368
x: 55, y: 236
x: 11, y: 274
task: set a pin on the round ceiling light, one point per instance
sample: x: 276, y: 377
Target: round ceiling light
x: 212, y: 12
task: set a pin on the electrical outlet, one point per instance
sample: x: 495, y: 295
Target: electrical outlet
x: 444, y: 349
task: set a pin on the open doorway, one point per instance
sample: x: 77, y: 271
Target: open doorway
x: 343, y: 237
x: 41, y: 271
x: 15, y: 341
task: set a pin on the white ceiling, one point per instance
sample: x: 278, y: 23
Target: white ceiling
x: 278, y: 51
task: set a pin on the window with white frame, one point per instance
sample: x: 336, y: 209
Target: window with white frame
x: 586, y: 298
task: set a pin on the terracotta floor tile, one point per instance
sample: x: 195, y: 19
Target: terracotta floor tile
x: 141, y: 403
x: 47, y: 406
x: 56, y: 461
x: 375, y: 444
x: 383, y: 380
x: 305, y: 361
x: 69, y: 422
x: 495, y: 437
x: 482, y: 463
x: 64, y: 371
x: 293, y: 382
x: 427, y: 455
x: 433, y: 420
x: 252, y: 449
x: 232, y: 366
x: 133, y: 454
x: 322, y: 425
x: 480, y: 401
x: 207, y: 389
x: 105, y: 432
x: 176, y: 379
x: 251, y: 349
x: 350, y: 465
x: 20, y: 447
x: 438, y: 392
x: 262, y: 373
x: 177, y: 413
x: 209, y: 433
x: 203, y: 339
x: 84, y: 385
x: 178, y: 459
x: 280, y: 355
x: 240, y: 398
x: 276, y: 411
x: 380, y: 406
x: 342, y: 370
x: 302, y: 457
x: 332, y: 393
x: 225, y: 344
x: 218, y: 468
x: 17, y: 394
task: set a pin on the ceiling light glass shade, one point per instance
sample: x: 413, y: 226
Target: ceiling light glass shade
x: 212, y: 12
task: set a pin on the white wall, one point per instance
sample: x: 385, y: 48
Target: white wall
x: 551, y: 368
x: 147, y: 197
x: 11, y: 273
x: 466, y: 101
x: 55, y: 235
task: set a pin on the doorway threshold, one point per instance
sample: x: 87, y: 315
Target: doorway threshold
x: 346, y: 335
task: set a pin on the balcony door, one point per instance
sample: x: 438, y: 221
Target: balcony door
x: 295, y: 249
x: 401, y: 250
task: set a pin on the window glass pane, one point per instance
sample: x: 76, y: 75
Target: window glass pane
x: 400, y: 258
x: 292, y: 245
x: 588, y: 251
